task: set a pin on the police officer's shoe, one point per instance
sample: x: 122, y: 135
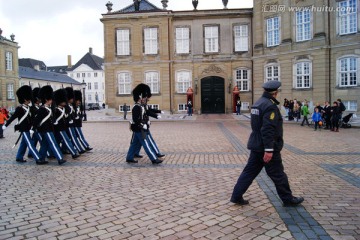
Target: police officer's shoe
x: 61, y: 162
x: 131, y: 161
x: 75, y: 156
x: 156, y: 161
x: 138, y: 156
x: 293, y: 202
x: 159, y: 155
x: 20, y: 160
x: 240, y: 202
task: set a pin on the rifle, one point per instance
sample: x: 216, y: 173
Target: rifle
x: 17, y: 141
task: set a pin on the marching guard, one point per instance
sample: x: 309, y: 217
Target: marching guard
x: 78, y: 120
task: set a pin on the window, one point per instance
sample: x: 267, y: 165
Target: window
x: 89, y: 86
x: 95, y: 74
x: 183, y: 81
x: 182, y: 40
x: 78, y: 75
x: 347, y: 17
x: 303, y: 75
x: 348, y: 72
x: 151, y: 40
x: 123, y: 42
x: 272, y: 31
x: 350, y: 105
x: 96, y: 85
x: 154, y: 106
x: 124, y: 83
x: 121, y: 108
x: 211, y: 39
x: 272, y: 72
x: 241, y: 36
x: 152, y: 79
x: 9, y: 60
x: 303, y: 25
x: 242, y: 79
x: 89, y: 97
x: 10, y: 91
x: 245, y: 105
x: 182, y: 107
x: 89, y: 74
x: 83, y: 75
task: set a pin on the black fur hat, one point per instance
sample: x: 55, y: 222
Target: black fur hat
x: 35, y: 94
x: 60, y: 96
x: 24, y: 93
x: 70, y: 93
x: 46, y: 93
x: 148, y: 91
x: 77, y: 95
x: 140, y: 91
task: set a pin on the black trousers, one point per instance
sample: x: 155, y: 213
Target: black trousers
x: 274, y: 169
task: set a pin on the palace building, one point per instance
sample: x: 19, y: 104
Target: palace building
x: 214, y: 56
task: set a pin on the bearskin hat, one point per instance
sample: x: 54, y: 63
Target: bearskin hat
x: 46, y: 93
x: 140, y: 91
x: 24, y: 93
x: 70, y: 93
x: 148, y: 90
x: 60, y: 96
x: 77, y: 95
x: 35, y: 94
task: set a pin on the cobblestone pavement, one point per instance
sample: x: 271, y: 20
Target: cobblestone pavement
x: 99, y: 196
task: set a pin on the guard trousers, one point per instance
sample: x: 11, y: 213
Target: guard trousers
x: 137, y: 141
x: 27, y: 142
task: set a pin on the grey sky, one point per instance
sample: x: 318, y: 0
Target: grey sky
x: 52, y: 29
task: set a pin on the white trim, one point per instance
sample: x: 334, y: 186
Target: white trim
x: 126, y: 91
x: 183, y: 82
x: 303, y: 24
x: 272, y: 65
x: 295, y: 74
x: 248, y: 79
x: 184, y: 105
x: 153, y: 80
x: 338, y: 70
x: 266, y: 31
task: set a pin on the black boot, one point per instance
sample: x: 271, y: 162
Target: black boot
x: 293, y: 202
x: 61, y: 162
x: 138, y: 156
x: 156, y: 161
x: 131, y: 161
x: 240, y: 202
x: 159, y: 155
x: 21, y: 160
x: 41, y: 162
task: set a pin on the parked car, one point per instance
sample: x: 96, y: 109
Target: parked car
x: 92, y: 106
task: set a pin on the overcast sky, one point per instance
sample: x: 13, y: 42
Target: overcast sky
x: 49, y: 30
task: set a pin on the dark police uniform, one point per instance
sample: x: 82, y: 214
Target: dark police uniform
x: 266, y: 136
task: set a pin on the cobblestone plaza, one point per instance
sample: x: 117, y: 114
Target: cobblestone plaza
x: 99, y: 196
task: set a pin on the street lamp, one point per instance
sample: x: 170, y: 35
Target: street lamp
x: 83, y: 85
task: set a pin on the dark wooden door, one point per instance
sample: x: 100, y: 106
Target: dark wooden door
x: 212, y: 95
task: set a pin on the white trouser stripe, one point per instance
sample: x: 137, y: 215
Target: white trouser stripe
x: 80, y: 137
x: 74, y: 140
x: 54, y: 146
x: 147, y: 145
x: 30, y: 146
x: 67, y: 144
x: 153, y: 144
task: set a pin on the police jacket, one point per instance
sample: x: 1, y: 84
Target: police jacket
x: 70, y: 112
x: 266, y: 125
x: 60, y: 119
x: 139, y: 118
x: 44, y: 120
x: 23, y: 114
x: 77, y: 117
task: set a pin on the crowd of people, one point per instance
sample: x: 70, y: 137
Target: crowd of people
x: 53, y: 119
x: 327, y: 116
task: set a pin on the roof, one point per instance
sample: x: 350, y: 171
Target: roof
x: 26, y: 72
x: 144, y: 6
x: 58, y: 69
x: 31, y: 63
x: 91, y: 60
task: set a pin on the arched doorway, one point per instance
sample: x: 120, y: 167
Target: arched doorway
x: 212, y: 95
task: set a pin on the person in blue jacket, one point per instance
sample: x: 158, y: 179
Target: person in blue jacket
x: 316, y: 117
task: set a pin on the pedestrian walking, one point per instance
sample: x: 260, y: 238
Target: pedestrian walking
x: 78, y: 118
x: 305, y: 112
x: 3, y: 117
x: 316, y: 117
x: 327, y: 115
x: 335, y: 116
x: 265, y: 144
x: 125, y: 110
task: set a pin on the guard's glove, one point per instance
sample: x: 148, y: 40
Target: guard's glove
x: 162, y: 112
x: 145, y: 127
x: 158, y: 117
x: 148, y: 123
x: 3, y: 127
x: 31, y: 132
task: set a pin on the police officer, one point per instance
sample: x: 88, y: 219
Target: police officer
x: 265, y: 144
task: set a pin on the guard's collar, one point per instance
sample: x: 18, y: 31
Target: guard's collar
x: 269, y: 96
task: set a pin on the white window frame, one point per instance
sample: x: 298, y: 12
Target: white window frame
x: 152, y: 79
x: 272, y: 32
x: 347, y: 16
x: 151, y: 41
x: 78, y: 75
x: 124, y: 82
x: 9, y: 61
x: 302, y: 74
x: 89, y: 86
x: 83, y: 75
x: 10, y: 95
x: 303, y: 28
x: 123, y: 42
x: 351, y: 105
x: 95, y: 74
x: 183, y: 106
x: 240, y: 82
x: 211, y: 38
x: 348, y: 72
x: 182, y: 40
x: 182, y: 84
x: 96, y: 85
x: 121, y: 108
x: 272, y: 66
x: 241, y: 38
x: 245, y: 105
x: 154, y: 106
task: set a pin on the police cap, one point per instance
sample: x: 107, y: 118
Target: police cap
x: 271, y: 86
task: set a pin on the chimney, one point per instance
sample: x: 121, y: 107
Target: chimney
x: 90, y: 50
x: 69, y: 61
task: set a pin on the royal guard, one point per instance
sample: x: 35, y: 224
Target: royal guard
x: 44, y: 125
x: 60, y: 126
x: 139, y: 126
x: 78, y: 120
x: 24, y: 125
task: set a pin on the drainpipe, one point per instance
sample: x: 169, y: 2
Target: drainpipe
x: 329, y: 44
x: 252, y: 60
x: 170, y: 67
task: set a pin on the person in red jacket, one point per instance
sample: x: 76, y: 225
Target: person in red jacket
x: 3, y: 117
